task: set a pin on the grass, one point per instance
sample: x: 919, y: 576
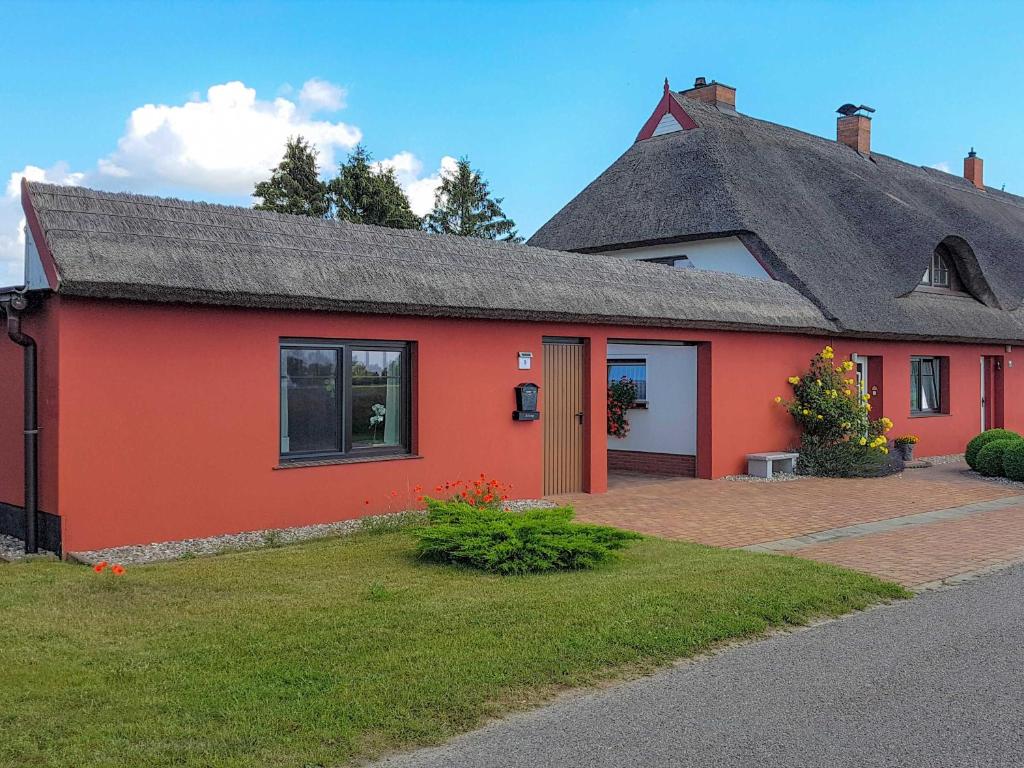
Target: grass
x: 322, y: 653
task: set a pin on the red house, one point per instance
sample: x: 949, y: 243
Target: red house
x: 192, y: 369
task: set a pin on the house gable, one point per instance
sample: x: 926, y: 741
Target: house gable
x: 668, y: 107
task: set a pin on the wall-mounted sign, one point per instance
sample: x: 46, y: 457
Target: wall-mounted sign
x: 525, y: 361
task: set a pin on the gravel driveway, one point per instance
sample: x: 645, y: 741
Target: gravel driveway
x: 936, y: 681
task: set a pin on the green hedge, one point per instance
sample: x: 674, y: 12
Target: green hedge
x: 984, y: 439
x: 533, y: 541
x: 1013, y: 461
x: 990, y: 457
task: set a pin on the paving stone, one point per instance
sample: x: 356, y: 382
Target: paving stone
x: 915, y: 527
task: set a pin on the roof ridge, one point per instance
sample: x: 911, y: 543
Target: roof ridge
x: 593, y: 277
x: 586, y: 260
x: 966, y: 187
x: 243, y: 212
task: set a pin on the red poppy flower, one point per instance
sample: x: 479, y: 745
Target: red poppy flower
x: 117, y: 570
x: 100, y: 566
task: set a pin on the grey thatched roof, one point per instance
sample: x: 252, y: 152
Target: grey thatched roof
x: 851, y: 233
x: 121, y: 246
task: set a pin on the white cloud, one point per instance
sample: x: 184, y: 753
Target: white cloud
x: 218, y: 144
x: 226, y: 142
x: 942, y: 166
x: 420, y: 189
x: 320, y: 95
x: 12, y: 219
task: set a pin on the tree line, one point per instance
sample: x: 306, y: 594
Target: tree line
x: 363, y: 193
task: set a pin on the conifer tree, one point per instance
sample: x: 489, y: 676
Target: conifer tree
x: 295, y: 185
x: 463, y: 205
x: 363, y: 194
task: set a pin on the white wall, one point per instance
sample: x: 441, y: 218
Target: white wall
x: 669, y: 424
x: 721, y: 254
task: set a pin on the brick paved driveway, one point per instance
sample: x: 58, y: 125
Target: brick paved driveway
x: 919, y: 527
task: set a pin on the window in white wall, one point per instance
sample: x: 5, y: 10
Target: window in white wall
x: 635, y: 370
x: 680, y: 262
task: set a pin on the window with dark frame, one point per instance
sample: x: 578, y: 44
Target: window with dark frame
x: 682, y: 261
x: 937, y: 274
x: 634, y: 370
x: 926, y: 394
x: 342, y: 399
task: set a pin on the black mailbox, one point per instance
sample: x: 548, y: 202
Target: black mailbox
x: 526, y: 402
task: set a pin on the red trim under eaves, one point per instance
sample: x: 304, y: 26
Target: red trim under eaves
x: 49, y: 265
x: 667, y: 105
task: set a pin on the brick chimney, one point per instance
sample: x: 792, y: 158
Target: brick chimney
x: 855, y: 132
x: 715, y: 93
x: 974, y: 169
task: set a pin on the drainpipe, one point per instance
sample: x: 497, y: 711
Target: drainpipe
x: 14, y: 306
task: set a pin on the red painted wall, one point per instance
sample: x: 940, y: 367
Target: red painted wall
x: 169, y: 415
x: 42, y: 326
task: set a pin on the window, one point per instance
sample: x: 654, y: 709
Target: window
x: 679, y: 262
x: 344, y: 398
x: 926, y: 394
x: 634, y: 370
x: 937, y: 273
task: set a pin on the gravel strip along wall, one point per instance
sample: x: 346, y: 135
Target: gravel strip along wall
x: 215, y: 545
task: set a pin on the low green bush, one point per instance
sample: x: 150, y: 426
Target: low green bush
x: 533, y: 541
x: 822, y: 458
x: 1013, y: 461
x: 990, y: 457
x: 986, y: 437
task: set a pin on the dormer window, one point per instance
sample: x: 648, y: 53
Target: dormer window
x: 937, y: 274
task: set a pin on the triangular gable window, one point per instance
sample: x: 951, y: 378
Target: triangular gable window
x: 667, y: 124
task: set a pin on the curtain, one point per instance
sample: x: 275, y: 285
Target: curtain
x: 393, y: 401
x: 930, y: 385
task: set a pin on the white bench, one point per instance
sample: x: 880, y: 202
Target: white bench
x: 766, y: 464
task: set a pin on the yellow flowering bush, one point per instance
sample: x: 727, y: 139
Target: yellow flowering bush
x: 838, y: 435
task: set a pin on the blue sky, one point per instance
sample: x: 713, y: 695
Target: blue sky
x: 542, y: 96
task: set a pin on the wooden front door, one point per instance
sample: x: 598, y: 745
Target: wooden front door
x: 563, y: 417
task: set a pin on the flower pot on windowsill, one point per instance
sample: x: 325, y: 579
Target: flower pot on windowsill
x: 906, y: 451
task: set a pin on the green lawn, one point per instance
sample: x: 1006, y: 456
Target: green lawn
x: 321, y: 653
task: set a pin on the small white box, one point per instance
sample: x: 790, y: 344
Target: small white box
x: 525, y: 361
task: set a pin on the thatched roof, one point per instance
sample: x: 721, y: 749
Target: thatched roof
x: 122, y: 246
x: 853, y: 234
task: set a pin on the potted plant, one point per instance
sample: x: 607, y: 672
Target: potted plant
x: 905, y: 445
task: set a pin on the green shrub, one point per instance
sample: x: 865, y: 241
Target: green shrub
x: 838, y: 435
x: 533, y: 541
x: 823, y: 458
x: 979, y: 442
x: 990, y: 457
x: 1013, y: 461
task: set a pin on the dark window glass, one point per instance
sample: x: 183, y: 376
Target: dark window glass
x: 940, y: 272
x: 340, y: 397
x: 310, y: 401
x: 925, y: 385
x: 378, y: 409
x: 679, y: 262
x: 634, y: 370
